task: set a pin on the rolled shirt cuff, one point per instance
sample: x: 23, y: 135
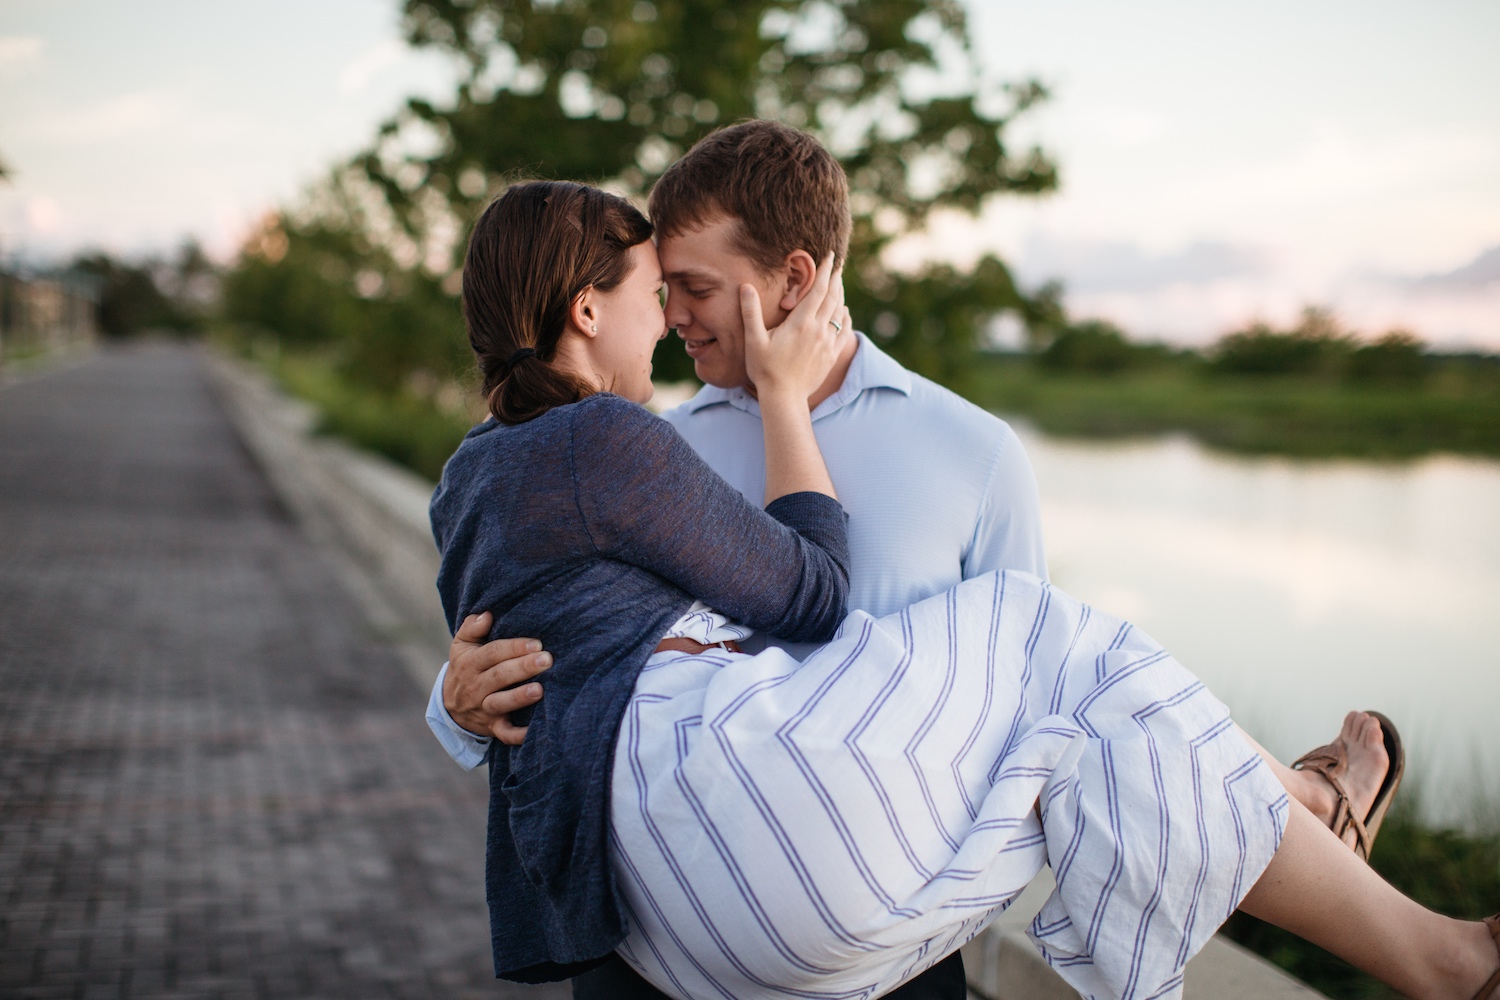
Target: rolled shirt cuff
x: 467, y: 750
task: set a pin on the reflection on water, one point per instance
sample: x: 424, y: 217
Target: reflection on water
x: 1298, y: 590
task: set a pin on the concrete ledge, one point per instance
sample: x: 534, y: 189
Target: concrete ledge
x: 367, y: 513
x: 1003, y: 964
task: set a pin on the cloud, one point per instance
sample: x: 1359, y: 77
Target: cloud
x: 1097, y: 266
x: 356, y: 75
x: 1481, y: 272
x: 19, y: 51
x: 42, y: 215
x: 123, y: 115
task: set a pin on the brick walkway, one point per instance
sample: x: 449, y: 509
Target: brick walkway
x: 214, y: 782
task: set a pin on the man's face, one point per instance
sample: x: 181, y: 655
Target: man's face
x: 704, y: 273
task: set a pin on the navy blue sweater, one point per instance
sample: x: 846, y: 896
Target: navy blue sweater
x: 593, y: 528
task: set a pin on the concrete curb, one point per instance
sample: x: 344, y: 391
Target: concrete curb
x: 367, y: 513
x: 371, y: 515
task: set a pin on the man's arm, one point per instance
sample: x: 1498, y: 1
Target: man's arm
x: 1008, y: 531
x: 479, y: 688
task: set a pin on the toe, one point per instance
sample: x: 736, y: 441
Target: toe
x: 1353, y: 723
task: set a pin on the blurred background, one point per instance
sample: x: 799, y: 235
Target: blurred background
x: 1233, y: 270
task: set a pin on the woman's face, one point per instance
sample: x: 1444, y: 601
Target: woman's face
x: 630, y: 322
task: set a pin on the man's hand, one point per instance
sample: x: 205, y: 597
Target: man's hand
x: 480, y: 690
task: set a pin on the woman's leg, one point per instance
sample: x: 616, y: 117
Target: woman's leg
x: 1368, y: 763
x: 1318, y: 889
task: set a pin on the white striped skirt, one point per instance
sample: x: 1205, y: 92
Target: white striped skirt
x: 832, y: 828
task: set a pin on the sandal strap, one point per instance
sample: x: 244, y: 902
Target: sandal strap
x: 1331, y: 762
x: 1344, y: 819
x: 1328, y: 759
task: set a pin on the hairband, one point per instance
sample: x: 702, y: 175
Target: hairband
x: 525, y: 352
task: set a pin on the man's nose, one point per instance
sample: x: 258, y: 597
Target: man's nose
x: 676, y: 317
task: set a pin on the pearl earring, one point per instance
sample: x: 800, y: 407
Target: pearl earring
x: 595, y: 328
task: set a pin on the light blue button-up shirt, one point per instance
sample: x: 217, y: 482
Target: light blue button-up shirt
x: 937, y: 490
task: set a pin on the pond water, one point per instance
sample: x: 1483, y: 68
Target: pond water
x: 1298, y: 590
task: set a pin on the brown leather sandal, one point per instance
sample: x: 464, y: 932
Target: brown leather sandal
x: 1331, y: 762
x: 1493, y: 923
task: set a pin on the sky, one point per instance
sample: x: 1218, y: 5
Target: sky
x: 1221, y: 162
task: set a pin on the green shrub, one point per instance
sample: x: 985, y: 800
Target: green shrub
x: 1395, y: 358
x: 1092, y: 346
x: 403, y: 425
x: 1314, y: 347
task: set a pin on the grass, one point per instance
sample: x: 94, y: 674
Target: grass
x: 1452, y: 872
x: 407, y: 427
x: 1456, y: 409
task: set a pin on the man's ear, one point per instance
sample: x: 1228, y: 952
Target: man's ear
x: 583, y: 313
x: 798, y: 272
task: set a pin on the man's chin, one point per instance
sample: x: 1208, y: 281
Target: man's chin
x: 717, y: 377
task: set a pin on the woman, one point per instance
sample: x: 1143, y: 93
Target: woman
x: 749, y: 826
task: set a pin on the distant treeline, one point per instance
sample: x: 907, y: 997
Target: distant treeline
x: 176, y: 294
x: 1313, y: 390
x: 1315, y: 348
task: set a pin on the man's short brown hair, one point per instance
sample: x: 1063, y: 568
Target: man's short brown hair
x: 786, y: 190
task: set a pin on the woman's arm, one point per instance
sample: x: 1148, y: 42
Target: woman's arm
x: 647, y: 499
x: 787, y: 365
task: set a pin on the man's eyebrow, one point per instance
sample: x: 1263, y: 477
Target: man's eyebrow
x: 691, y: 275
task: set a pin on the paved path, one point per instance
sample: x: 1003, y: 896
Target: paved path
x: 214, y: 781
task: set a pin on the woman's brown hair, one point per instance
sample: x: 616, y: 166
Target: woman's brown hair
x: 535, y: 249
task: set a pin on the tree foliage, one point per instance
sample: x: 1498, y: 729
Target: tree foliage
x: 612, y: 91
x: 150, y: 294
x: 322, y: 283
x: 1319, y: 347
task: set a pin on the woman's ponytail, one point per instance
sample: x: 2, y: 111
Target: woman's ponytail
x: 535, y: 249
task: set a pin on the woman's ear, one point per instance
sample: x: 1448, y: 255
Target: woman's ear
x: 583, y: 313
x: 799, y: 272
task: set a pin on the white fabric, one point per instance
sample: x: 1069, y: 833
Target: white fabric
x: 832, y: 828
x: 467, y: 750
x: 703, y: 624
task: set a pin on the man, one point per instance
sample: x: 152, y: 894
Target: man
x: 937, y: 490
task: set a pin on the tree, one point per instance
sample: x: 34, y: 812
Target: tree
x: 1095, y: 346
x: 1396, y: 358
x: 129, y: 297
x: 612, y: 91
x: 1315, y: 346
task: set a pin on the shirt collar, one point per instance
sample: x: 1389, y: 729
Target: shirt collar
x: 871, y: 368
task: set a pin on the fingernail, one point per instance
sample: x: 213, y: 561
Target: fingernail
x: 534, y: 690
x: 545, y: 659
x: 533, y: 646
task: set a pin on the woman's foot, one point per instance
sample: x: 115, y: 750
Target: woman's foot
x: 1366, y: 764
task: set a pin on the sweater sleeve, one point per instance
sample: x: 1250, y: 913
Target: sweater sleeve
x: 647, y: 499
